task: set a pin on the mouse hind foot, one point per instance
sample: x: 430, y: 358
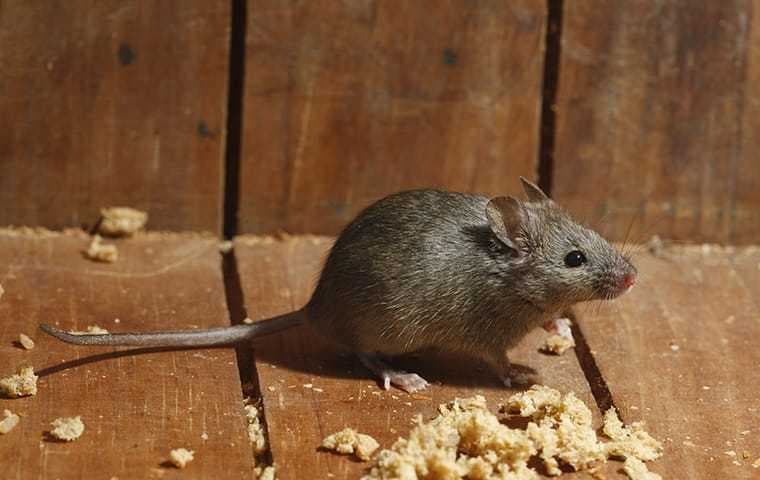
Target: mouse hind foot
x: 408, y: 382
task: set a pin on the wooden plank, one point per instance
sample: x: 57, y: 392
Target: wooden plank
x: 680, y: 351
x: 115, y: 102
x: 346, y: 102
x: 277, y: 277
x: 656, y: 118
x: 135, y: 407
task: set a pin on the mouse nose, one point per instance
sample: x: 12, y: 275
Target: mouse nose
x: 628, y: 280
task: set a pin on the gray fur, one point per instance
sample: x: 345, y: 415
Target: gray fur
x: 428, y: 268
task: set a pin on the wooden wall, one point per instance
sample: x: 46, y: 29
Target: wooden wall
x: 346, y: 102
x: 112, y: 102
x: 125, y: 102
x: 659, y: 118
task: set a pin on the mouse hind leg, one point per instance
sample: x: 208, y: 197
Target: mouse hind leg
x: 408, y: 382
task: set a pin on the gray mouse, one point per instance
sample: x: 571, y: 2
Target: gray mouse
x: 429, y: 268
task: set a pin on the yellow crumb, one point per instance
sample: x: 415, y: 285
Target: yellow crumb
x: 266, y: 473
x: 256, y: 433
x: 9, y: 422
x: 121, y: 221
x: 629, y: 441
x: 67, y: 428
x: 637, y: 470
x: 557, y: 344
x: 101, y: 252
x: 25, y: 341
x: 180, y: 457
x: 22, y: 384
x: 465, y: 440
x: 226, y: 246
x: 91, y: 330
x: 349, y: 441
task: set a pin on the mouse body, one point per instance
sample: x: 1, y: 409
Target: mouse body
x: 428, y: 268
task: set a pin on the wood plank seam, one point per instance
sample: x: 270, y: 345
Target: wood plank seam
x: 547, y: 126
x: 598, y: 385
x: 233, y: 140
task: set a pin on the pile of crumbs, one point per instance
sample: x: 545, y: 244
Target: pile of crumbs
x: 121, y: 221
x: 101, y: 252
x: 255, y: 429
x: 91, y: 330
x: 466, y: 440
x: 22, y: 384
x: 67, y: 429
x: 349, y: 441
x: 9, y: 422
x: 258, y: 438
x: 562, y: 338
x: 180, y: 457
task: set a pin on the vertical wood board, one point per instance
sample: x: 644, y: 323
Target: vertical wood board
x: 346, y: 102
x: 113, y: 103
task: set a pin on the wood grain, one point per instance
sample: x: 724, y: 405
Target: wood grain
x: 136, y: 407
x: 656, y: 118
x: 681, y: 354
x: 310, y: 390
x: 113, y: 103
x: 346, y: 102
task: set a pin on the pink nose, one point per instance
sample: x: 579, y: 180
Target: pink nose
x: 628, y: 280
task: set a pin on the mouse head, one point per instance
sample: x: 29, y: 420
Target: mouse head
x: 560, y: 262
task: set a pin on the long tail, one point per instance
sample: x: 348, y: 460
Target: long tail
x: 183, y: 338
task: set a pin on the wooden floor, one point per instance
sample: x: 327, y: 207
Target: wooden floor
x: 678, y: 352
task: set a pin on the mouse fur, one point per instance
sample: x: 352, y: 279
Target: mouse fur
x: 429, y: 268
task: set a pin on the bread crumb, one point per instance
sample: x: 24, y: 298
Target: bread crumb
x: 22, y: 384
x: 349, y: 441
x: 630, y: 441
x: 248, y: 321
x: 100, y: 252
x: 25, y: 341
x: 637, y: 470
x: 256, y: 433
x: 67, y: 428
x: 9, y: 422
x: 180, y: 457
x: 561, y: 428
x: 226, y: 246
x: 557, y: 344
x: 267, y: 473
x: 121, y: 221
x: 756, y: 463
x: 464, y: 441
x: 91, y: 330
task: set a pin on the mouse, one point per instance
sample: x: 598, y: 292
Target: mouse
x: 427, y: 268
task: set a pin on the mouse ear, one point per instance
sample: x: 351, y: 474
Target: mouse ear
x: 505, y: 217
x: 532, y: 191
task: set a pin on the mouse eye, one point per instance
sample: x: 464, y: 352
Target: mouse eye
x: 576, y: 258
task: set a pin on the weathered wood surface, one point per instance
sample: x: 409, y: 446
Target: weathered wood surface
x: 278, y: 277
x: 681, y: 351
x: 657, y: 115
x: 346, y: 102
x: 136, y: 408
x: 113, y: 103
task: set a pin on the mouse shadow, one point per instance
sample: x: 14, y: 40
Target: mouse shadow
x: 301, y: 350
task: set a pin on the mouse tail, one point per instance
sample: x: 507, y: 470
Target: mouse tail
x: 182, y: 338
